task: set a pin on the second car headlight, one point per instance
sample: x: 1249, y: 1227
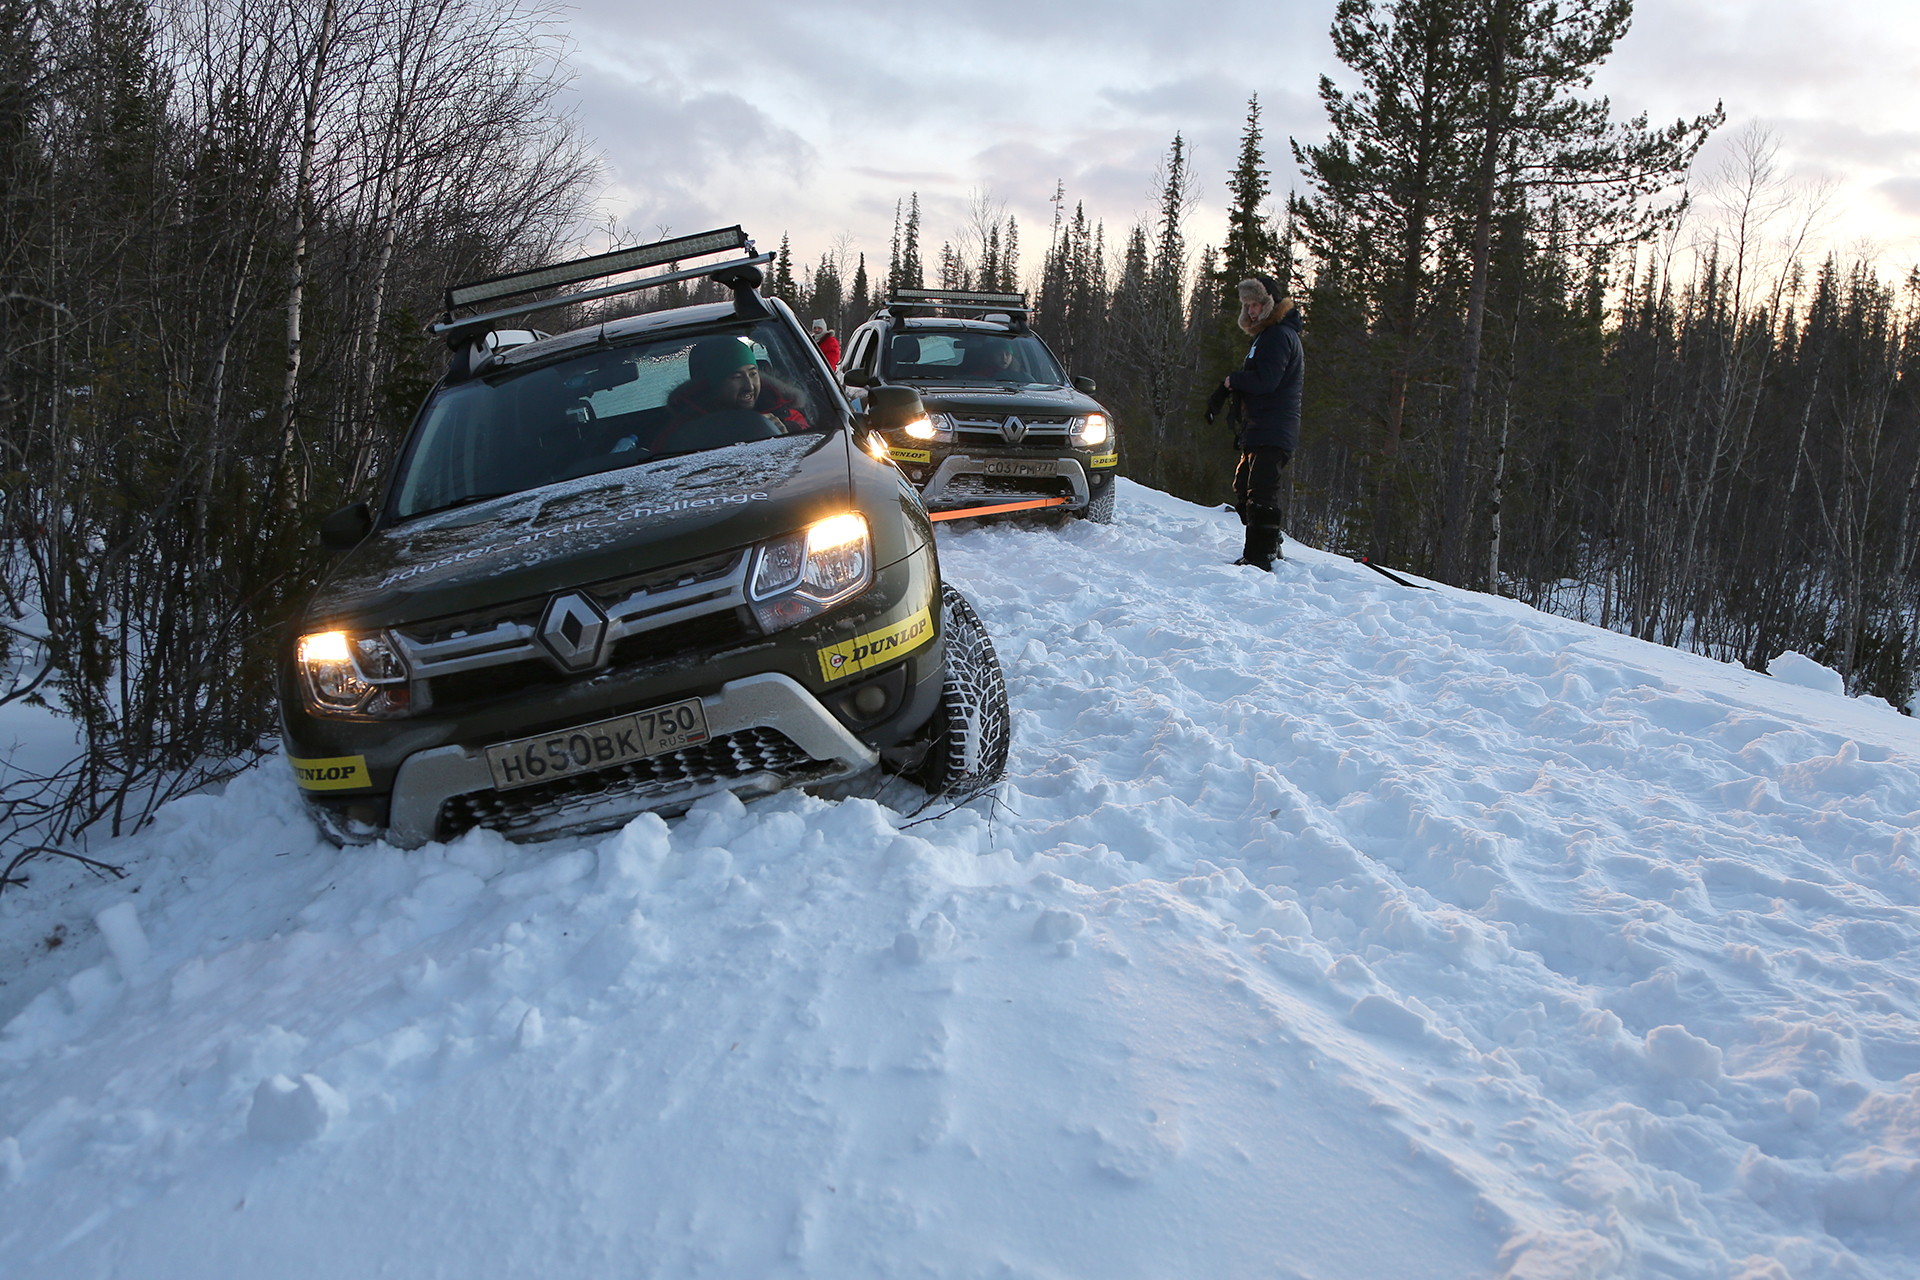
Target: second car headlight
x: 806, y: 573
x: 1091, y: 429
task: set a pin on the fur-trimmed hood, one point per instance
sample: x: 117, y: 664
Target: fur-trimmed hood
x: 1281, y: 310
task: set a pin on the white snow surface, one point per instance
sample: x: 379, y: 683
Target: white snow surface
x: 1324, y: 928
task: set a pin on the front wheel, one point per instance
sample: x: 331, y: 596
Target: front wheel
x: 1100, y: 508
x: 972, y: 728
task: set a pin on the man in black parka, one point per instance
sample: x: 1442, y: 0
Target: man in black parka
x: 1269, y: 386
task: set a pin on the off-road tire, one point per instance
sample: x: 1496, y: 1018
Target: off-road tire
x: 972, y: 728
x: 1100, y: 508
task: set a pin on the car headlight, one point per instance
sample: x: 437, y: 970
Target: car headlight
x: 935, y: 426
x: 804, y: 574
x: 1091, y: 429
x: 352, y: 673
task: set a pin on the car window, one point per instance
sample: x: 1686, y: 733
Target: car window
x: 519, y: 429
x: 971, y: 355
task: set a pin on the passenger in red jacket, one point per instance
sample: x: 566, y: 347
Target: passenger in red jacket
x: 829, y: 345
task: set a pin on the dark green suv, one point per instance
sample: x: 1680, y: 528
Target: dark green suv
x: 627, y: 566
x: 1006, y: 429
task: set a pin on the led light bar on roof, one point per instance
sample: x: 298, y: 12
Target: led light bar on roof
x: 605, y: 264
x: 962, y: 297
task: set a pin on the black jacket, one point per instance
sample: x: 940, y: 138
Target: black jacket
x: 1270, y: 383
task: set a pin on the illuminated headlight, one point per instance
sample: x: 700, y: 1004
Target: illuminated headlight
x: 935, y: 426
x: 806, y: 573
x: 1091, y: 429
x: 352, y: 673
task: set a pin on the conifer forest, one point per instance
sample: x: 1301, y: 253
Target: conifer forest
x: 1550, y: 353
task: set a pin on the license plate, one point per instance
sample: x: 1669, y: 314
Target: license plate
x: 525, y: 761
x: 1007, y: 467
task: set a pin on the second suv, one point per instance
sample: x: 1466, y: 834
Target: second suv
x: 1005, y: 426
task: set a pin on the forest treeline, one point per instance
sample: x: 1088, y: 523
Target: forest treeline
x: 1544, y: 357
x: 223, y: 224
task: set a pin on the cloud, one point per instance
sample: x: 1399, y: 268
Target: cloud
x: 1903, y: 194
x: 816, y: 118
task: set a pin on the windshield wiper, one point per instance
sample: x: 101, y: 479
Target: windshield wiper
x: 467, y: 501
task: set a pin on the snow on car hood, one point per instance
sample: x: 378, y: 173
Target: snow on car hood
x: 1003, y: 400
x: 588, y: 529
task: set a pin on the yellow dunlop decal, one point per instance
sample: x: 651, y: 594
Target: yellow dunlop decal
x: 337, y: 774
x: 875, y: 647
x: 911, y: 455
x: 1105, y: 460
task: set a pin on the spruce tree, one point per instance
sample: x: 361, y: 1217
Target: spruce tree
x: 1393, y: 170
x: 912, y: 274
x: 782, y: 285
x: 860, y: 300
x: 893, y: 258
x: 1250, y: 244
x: 828, y: 301
x: 1530, y: 61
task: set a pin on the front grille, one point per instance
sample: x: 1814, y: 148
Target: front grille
x: 684, y: 610
x: 680, y: 639
x: 1048, y: 433
x: 644, y: 783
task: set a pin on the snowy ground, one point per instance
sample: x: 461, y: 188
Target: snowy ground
x: 1328, y: 928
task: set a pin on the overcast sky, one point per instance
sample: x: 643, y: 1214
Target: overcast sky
x: 812, y: 119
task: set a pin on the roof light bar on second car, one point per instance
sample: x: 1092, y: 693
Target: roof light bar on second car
x: 960, y: 299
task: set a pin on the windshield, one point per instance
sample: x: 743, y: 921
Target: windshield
x: 613, y: 408
x: 971, y: 355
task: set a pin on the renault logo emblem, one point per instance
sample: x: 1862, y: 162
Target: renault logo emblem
x: 1013, y: 430
x: 572, y: 629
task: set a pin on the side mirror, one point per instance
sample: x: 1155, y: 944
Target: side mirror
x: 892, y: 407
x: 346, y: 528
x: 857, y: 378
x: 1083, y: 384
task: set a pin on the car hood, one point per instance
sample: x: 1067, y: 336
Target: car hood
x: 997, y: 402
x: 587, y: 530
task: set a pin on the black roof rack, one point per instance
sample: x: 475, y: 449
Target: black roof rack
x: 738, y: 273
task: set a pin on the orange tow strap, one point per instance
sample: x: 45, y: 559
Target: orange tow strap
x: 997, y: 509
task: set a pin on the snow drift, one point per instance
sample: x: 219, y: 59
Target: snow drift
x: 1325, y: 927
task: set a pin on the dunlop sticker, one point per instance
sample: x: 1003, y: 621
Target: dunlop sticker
x: 336, y: 774
x: 1105, y: 460
x: 911, y: 455
x: 875, y: 647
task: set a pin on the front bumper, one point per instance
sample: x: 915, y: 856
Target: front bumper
x: 966, y: 480
x: 765, y: 732
x: 812, y: 704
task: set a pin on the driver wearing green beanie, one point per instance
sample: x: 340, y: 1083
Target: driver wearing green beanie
x: 723, y: 374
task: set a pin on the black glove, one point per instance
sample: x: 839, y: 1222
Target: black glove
x: 1216, y: 402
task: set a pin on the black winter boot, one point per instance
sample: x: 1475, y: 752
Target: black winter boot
x: 1262, y: 547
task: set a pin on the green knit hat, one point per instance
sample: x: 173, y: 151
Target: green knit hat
x: 714, y: 358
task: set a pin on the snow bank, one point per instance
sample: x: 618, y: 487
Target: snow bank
x: 1324, y: 927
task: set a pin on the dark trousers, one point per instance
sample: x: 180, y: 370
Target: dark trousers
x: 1260, y: 488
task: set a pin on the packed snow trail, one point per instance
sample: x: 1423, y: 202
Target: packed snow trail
x: 1324, y: 927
